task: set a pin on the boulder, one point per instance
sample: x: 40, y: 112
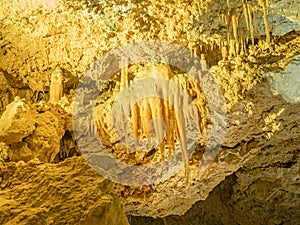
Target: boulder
x: 17, y: 122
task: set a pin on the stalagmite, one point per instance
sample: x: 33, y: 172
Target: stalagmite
x: 204, y: 65
x: 56, y: 86
x: 124, y: 73
x: 224, y: 50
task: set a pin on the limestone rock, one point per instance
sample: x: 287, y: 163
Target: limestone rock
x: 44, y: 142
x: 66, y: 193
x: 16, y: 122
x: 235, y: 41
x: 3, y: 152
x: 32, y: 131
x: 20, y: 151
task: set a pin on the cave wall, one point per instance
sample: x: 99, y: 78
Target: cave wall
x: 41, y: 42
x: 266, y: 188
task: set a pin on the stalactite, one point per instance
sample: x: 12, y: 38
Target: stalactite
x: 100, y: 124
x: 180, y: 124
x: 159, y: 109
x: 201, y: 48
x: 123, y: 121
x: 243, y: 47
x: 235, y: 33
x: 91, y: 129
x: 156, y: 108
x: 124, y: 73
x: 145, y: 113
x: 185, y: 104
x: 166, y: 116
x: 263, y: 4
x: 169, y: 114
x: 195, y: 51
x: 245, y: 11
x: 251, y: 24
x: 235, y: 25
x: 232, y: 48
x: 135, y: 121
x: 228, y: 3
x: 160, y: 128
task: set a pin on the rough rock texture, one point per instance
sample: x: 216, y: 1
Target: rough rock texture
x: 286, y: 83
x: 66, y: 193
x: 266, y: 187
x: 257, y: 117
x: 16, y: 122
x: 39, y: 38
x: 33, y: 131
x: 263, y: 130
x: 236, y: 201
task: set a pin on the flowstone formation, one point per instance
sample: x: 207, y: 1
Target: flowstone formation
x: 251, y: 48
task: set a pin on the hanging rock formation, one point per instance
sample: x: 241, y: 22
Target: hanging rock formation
x: 248, y: 46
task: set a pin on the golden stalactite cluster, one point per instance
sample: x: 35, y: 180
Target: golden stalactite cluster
x: 167, y: 113
x: 240, y: 37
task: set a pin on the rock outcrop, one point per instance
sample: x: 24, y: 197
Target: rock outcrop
x: 33, y: 131
x: 66, y: 193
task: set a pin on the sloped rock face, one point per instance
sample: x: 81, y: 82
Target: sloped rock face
x: 66, y: 193
x: 266, y: 187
